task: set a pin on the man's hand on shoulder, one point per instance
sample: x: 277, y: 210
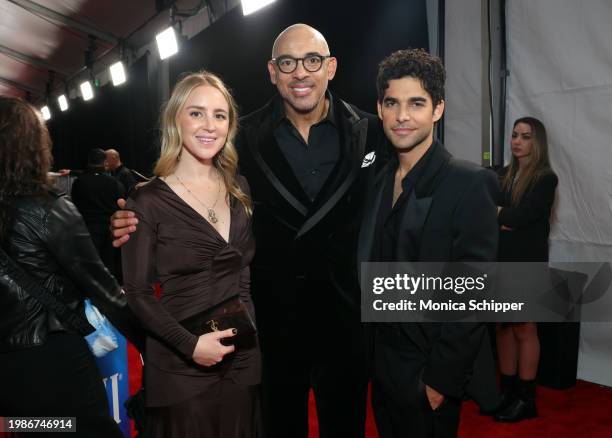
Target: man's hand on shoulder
x: 123, y: 222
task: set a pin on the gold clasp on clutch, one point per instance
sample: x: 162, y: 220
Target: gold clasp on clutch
x: 214, y: 325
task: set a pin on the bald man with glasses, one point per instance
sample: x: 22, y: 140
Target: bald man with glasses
x: 309, y: 158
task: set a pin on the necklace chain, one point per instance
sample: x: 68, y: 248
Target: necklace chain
x: 212, y: 214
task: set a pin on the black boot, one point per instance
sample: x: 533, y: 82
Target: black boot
x: 523, y: 407
x: 507, y: 385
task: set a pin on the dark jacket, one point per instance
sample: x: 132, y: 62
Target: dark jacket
x: 48, y: 239
x: 95, y: 194
x: 529, y: 221
x: 450, y: 216
x: 125, y: 177
x: 302, y: 244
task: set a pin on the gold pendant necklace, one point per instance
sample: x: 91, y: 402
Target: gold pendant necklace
x: 212, y: 215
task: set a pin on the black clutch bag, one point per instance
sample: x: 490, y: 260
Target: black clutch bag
x: 230, y: 313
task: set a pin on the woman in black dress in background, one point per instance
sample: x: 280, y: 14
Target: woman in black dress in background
x: 194, y: 237
x: 528, y: 192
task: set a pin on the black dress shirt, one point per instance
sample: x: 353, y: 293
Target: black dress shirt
x: 390, y: 216
x: 312, y: 162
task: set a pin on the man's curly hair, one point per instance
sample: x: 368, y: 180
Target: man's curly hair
x: 414, y: 63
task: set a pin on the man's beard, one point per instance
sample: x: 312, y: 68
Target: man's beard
x: 417, y: 141
x: 301, y: 110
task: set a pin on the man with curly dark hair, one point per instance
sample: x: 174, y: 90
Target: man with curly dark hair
x: 426, y: 206
x: 417, y: 64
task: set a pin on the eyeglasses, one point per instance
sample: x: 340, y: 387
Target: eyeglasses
x: 288, y: 64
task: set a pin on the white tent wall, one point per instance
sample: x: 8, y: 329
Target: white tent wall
x: 463, y: 62
x: 560, y: 70
x: 560, y: 63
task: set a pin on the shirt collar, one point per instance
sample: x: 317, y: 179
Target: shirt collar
x: 412, y: 177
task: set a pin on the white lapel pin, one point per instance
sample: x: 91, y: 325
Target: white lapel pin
x: 369, y: 159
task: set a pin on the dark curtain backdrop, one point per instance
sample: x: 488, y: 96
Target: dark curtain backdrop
x: 360, y: 33
x: 123, y: 118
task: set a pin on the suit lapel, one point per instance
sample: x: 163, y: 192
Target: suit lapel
x: 416, y: 211
x: 366, y: 242
x: 437, y: 162
x: 370, y: 216
x: 276, y: 168
x: 353, y: 133
x: 415, y: 217
x: 413, y: 220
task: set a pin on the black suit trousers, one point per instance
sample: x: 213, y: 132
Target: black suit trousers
x: 401, y: 407
x: 308, y: 345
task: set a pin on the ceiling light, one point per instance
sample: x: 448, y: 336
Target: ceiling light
x: 117, y: 73
x: 63, y: 102
x: 250, y: 6
x: 45, y: 112
x: 166, y: 43
x: 86, y: 91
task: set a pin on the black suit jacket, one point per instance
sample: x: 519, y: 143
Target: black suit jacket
x: 303, y: 244
x: 529, y: 221
x: 95, y: 194
x: 125, y: 177
x: 450, y: 216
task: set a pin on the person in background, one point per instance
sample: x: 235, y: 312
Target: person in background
x: 119, y: 171
x: 46, y: 366
x: 528, y: 193
x: 194, y: 237
x: 95, y: 194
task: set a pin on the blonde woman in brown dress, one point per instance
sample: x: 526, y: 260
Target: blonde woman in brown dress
x: 194, y: 237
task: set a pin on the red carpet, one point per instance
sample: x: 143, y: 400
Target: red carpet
x: 583, y: 411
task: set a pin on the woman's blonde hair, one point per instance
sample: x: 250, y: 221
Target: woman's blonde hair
x: 226, y: 160
x: 538, y: 165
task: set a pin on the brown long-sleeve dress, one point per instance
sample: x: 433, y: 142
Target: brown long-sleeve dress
x: 175, y: 246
